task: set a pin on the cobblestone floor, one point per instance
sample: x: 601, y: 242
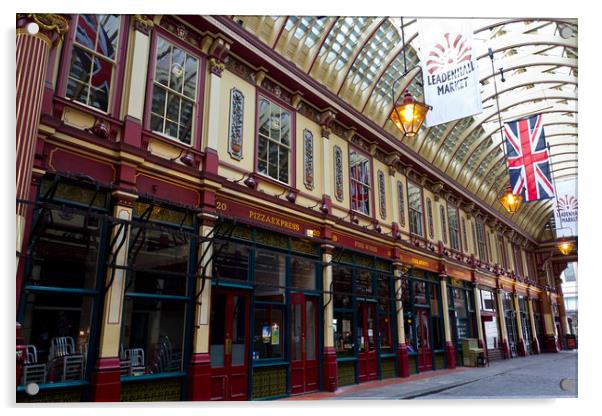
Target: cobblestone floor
x: 536, y: 376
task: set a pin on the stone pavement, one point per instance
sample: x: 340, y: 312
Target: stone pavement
x: 536, y: 376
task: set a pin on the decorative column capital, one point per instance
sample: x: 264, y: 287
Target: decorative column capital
x: 327, y: 248
x: 216, y: 67
x: 52, y: 26
x: 143, y: 23
x: 326, y: 120
x: 124, y: 199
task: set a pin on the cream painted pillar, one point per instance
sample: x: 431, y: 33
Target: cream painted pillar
x: 135, y: 89
x: 502, y: 320
x: 105, y: 384
x: 534, y: 341
x: 450, y: 348
x: 328, y: 300
x: 445, y: 310
x: 329, y: 354
x: 199, y: 371
x: 140, y: 47
x: 326, y: 162
x: 477, y: 308
x: 397, y: 273
x: 402, y: 352
x: 394, y: 196
x: 214, y: 110
x: 519, y: 325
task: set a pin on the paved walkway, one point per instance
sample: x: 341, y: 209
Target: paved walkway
x: 499, y: 380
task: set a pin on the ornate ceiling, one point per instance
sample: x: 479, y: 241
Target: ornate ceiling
x: 358, y: 58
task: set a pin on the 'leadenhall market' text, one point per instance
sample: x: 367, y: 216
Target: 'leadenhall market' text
x: 452, y: 80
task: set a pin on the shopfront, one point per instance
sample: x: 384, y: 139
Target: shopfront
x: 265, y: 316
x: 490, y: 322
x: 61, y: 297
x: 364, y: 322
x: 510, y: 318
x: 460, y: 303
x: 525, y: 324
x: 423, y: 321
x: 538, y: 319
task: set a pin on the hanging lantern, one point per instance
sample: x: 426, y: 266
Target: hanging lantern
x: 510, y: 201
x: 565, y: 246
x: 409, y: 115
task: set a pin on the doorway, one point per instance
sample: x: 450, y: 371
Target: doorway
x: 304, y: 344
x: 229, y: 346
x: 423, y: 340
x: 366, y: 341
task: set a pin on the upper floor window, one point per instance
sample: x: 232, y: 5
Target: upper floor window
x: 443, y: 224
x: 464, y: 239
x: 400, y: 195
x: 429, y: 215
x: 174, y: 92
x: 501, y: 245
x: 452, y: 220
x: 359, y: 166
x: 518, y: 260
x: 474, y: 238
x: 481, y: 245
x: 415, y: 209
x: 274, y: 141
x: 93, y: 59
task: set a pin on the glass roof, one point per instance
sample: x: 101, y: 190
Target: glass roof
x: 359, y: 58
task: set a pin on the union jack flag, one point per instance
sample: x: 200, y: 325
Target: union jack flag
x: 528, y: 163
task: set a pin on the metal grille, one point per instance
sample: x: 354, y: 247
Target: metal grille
x: 269, y: 382
x: 152, y: 391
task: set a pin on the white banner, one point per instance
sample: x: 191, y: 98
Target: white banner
x: 449, y: 70
x: 566, y: 211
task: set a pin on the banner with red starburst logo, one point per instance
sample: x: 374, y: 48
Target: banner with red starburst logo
x: 566, y: 211
x: 449, y: 70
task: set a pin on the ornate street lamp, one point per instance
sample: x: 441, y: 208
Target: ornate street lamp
x: 509, y: 200
x: 407, y: 114
x: 565, y: 246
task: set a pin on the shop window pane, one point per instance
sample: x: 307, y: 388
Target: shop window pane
x: 268, y: 334
x: 384, y: 335
x: 152, y: 338
x: 56, y: 331
x: 231, y: 261
x: 161, y: 262
x: 310, y: 336
x: 217, y: 332
x: 303, y: 273
x: 459, y: 302
x: 364, y: 283
x: 408, y: 325
x: 342, y: 288
x: 238, y: 330
x: 342, y: 325
x: 419, y: 292
x: 438, y: 339
x: 269, y: 276
x: 66, y: 251
x: 385, y: 296
x: 434, y: 295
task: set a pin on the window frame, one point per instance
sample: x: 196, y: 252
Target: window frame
x: 481, y: 241
x: 457, y: 230
x: 371, y: 203
x: 410, y: 209
x: 198, y: 108
x: 292, y: 165
x: 115, y: 95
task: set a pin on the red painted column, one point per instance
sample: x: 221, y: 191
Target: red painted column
x: 35, y: 37
x: 403, y: 360
x: 199, y: 377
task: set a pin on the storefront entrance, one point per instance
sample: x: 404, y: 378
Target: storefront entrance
x: 425, y: 352
x: 366, y: 341
x: 304, y: 344
x: 229, y: 335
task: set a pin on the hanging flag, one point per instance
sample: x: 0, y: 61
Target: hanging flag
x: 449, y: 70
x: 566, y: 212
x: 528, y: 164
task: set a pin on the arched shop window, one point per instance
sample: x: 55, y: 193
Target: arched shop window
x: 63, y: 282
x: 159, y: 290
x: 94, y: 57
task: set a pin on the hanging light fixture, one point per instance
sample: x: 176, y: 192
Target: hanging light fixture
x: 509, y: 200
x: 565, y: 246
x: 408, y: 114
